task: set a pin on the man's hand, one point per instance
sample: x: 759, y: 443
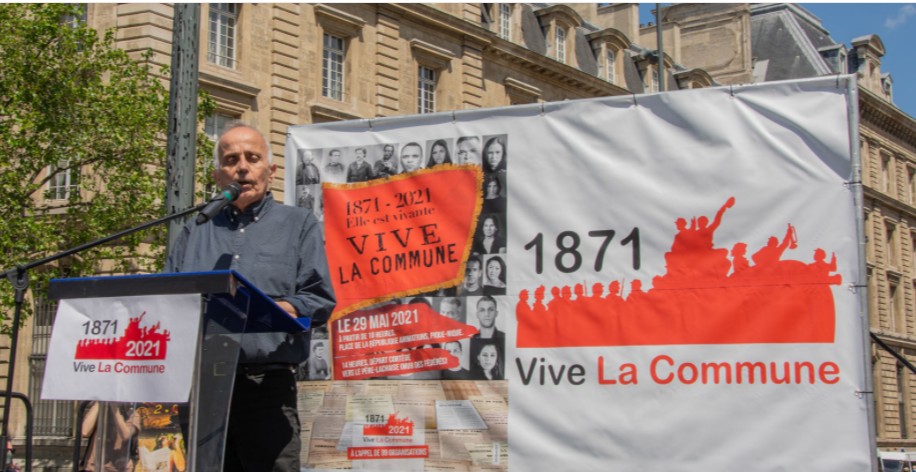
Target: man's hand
x: 288, y: 308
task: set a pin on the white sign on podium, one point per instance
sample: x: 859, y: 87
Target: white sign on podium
x: 118, y: 349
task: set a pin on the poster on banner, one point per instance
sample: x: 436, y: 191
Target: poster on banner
x: 389, y: 442
x: 123, y: 349
x: 664, y: 274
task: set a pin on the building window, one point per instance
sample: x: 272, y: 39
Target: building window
x: 911, y: 184
x: 338, y: 47
x: 653, y: 85
x: 213, y: 127
x: 332, y: 66
x: 871, y: 238
x: 887, y: 173
x: 505, y: 21
x: 426, y: 90
x: 561, y: 45
x: 78, y: 19
x: 874, y: 318
x: 901, y: 400
x: 63, y: 181
x: 913, y: 256
x: 609, y: 60
x: 51, y: 417
x: 890, y: 244
x: 215, y: 123
x: 223, y: 17
x: 893, y: 307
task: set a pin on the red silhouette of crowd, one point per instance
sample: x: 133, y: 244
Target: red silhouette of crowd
x: 117, y: 348
x: 703, y: 298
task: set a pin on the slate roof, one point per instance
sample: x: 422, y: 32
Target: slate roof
x: 533, y: 39
x: 789, y: 38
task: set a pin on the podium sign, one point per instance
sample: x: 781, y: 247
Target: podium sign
x: 129, y: 348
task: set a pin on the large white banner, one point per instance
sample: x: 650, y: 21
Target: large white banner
x: 123, y: 349
x: 663, y: 280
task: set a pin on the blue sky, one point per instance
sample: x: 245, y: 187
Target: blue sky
x: 894, y: 23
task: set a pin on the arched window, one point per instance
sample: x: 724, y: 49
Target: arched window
x: 610, y: 59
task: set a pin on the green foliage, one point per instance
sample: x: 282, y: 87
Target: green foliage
x: 70, y: 101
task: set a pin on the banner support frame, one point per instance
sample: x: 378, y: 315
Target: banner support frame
x: 861, y: 287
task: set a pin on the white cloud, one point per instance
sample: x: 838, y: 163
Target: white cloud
x: 900, y: 18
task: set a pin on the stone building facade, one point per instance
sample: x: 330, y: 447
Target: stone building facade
x: 888, y: 149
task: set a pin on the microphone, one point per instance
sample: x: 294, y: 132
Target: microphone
x: 219, y: 201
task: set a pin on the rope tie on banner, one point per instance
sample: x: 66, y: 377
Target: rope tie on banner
x: 542, y: 108
x: 731, y: 90
x: 369, y: 122
x: 454, y: 118
x: 635, y: 102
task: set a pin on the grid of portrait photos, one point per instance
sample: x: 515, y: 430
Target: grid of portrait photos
x: 480, y: 299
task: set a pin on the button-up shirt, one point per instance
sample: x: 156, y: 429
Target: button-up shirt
x: 280, y: 250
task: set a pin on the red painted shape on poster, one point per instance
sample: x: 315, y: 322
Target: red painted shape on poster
x: 703, y: 298
x: 137, y: 344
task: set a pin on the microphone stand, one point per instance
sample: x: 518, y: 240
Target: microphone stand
x: 19, y: 277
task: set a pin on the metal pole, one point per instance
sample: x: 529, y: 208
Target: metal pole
x: 182, y: 137
x: 20, y: 279
x: 660, y: 64
x: 852, y: 97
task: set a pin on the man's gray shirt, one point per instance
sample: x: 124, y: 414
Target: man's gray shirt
x: 280, y: 250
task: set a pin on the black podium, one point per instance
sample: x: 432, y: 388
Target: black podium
x: 230, y: 308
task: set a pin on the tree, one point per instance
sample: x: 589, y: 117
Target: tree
x: 82, y: 145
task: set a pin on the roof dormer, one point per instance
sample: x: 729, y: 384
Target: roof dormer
x: 558, y: 23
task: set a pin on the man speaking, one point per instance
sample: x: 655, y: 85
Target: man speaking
x: 280, y: 250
